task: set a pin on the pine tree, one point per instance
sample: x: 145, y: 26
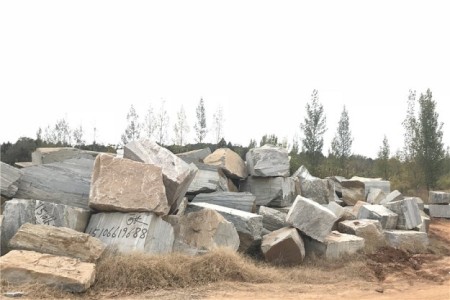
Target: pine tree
x: 149, y: 123
x: 162, y: 123
x: 341, y: 146
x: 133, y: 129
x: 78, y: 136
x: 218, y: 121
x: 181, y: 128
x: 200, y: 124
x: 383, y: 158
x: 409, y: 124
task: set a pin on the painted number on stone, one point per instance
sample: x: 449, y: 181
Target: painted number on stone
x: 43, y: 216
x: 119, y: 232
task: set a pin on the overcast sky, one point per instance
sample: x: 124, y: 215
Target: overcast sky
x: 88, y: 61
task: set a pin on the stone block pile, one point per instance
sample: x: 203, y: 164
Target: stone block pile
x: 69, y: 205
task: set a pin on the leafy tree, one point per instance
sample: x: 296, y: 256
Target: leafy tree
x: 428, y: 140
x: 19, y: 151
x: 200, y: 124
x: 218, y: 121
x: 383, y: 158
x: 271, y: 139
x: 313, y: 128
x: 133, y: 130
x: 252, y: 144
x: 78, y: 136
x: 410, y: 124
x: 181, y: 128
x: 149, y: 123
x: 162, y: 123
x: 59, y: 135
x: 341, y: 146
x: 295, y: 146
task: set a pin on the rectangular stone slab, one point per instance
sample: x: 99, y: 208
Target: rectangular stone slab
x: 51, y: 155
x: 335, y: 245
x: 408, y: 213
x: 271, y: 191
x: 439, y: 211
x: 387, y: 218
x: 241, y: 201
x: 9, y: 180
x: 437, y: 197
x: 407, y: 239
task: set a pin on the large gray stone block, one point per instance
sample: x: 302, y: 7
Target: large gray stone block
x: 272, y: 218
x: 177, y: 175
x: 407, y: 240
x: 241, y: 201
x: 437, y: 197
x: 129, y: 232
x: 268, y: 161
x: 353, y: 191
x: 319, y: 190
x: 283, y: 246
x: 229, y: 161
x: 20, y: 211
x: 66, y: 182
x: 51, y: 155
x: 271, y: 191
x: 334, y: 245
x: 207, y: 180
x: 370, y: 183
x: 370, y: 230
x: 248, y: 225
x: 124, y: 185
x: 375, y: 196
x: 195, y: 156
x: 387, y: 218
x: 439, y: 210
x: 408, y: 213
x: 9, y: 180
x: 311, y: 218
x: 392, y: 196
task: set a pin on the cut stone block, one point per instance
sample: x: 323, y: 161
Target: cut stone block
x: 202, y: 231
x: 66, y: 182
x: 408, y: 213
x: 407, y: 240
x: 439, y: 211
x: 436, y: 197
x: 375, y: 196
x: 319, y: 190
x: 336, y: 209
x: 268, y: 161
x: 241, y: 201
x: 311, y: 218
x: 271, y: 191
x: 195, y: 156
x: 349, y: 213
x: 67, y: 273
x: 57, y: 241
x: 248, y: 225
x: 272, y: 218
x: 283, y: 246
x: 353, y: 191
x: 207, y: 180
x: 392, y: 196
x: 129, y: 232
x: 177, y: 175
x: 335, y: 245
x: 51, y: 155
x: 387, y: 218
x: 20, y: 211
x: 9, y: 180
x: 371, y: 183
x: 231, y: 163
x: 124, y: 185
x: 370, y: 230
x: 425, y: 225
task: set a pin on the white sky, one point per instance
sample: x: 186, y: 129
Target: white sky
x: 88, y: 61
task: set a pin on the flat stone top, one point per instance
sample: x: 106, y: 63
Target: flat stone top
x: 361, y: 223
x: 337, y: 237
x: 223, y: 209
x: 365, y: 179
x: 379, y: 209
x: 404, y: 232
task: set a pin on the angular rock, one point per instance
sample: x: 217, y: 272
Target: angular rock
x: 202, y: 231
x: 337, y: 184
x: 283, y: 246
x: 408, y: 213
x: 370, y: 183
x: 20, y: 211
x: 66, y: 182
x: 67, y: 273
x: 439, y: 211
x: 182, y: 208
x: 387, y: 218
x: 271, y: 191
x: 177, y: 175
x: 392, y: 196
x: 231, y: 163
x: 414, y: 241
x: 319, y: 190
x: 207, y: 180
x: 195, y: 156
x: 9, y: 180
x: 128, y: 232
x: 241, y: 201
x: 248, y: 225
x: 419, y: 202
x: 375, y: 196
x: 357, y: 207
x: 311, y: 218
x: 335, y: 209
x: 23, y: 164
x: 124, y: 185
x: 353, y: 191
x: 335, y: 245
x: 51, y: 155
x: 349, y: 213
x: 425, y: 225
x: 370, y: 230
x: 436, y: 197
x: 268, y: 161
x: 272, y: 218
x: 57, y: 241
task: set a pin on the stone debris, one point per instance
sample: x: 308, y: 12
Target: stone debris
x: 271, y: 191
x: 283, y: 246
x: 207, y: 180
x: 124, y: 185
x: 9, y: 180
x: 334, y: 245
x: 439, y: 211
x: 138, y: 231
x: 268, y: 161
x: 375, y: 196
x: 231, y: 163
x: 370, y: 230
x: 272, y: 219
x: 408, y: 213
x: 66, y: 182
x: 67, y: 273
x: 177, y: 174
x: 392, y: 196
x: 248, y: 225
x: 241, y: 201
x: 57, y: 241
x: 408, y: 240
x: 387, y: 218
x: 311, y: 218
x: 195, y: 156
x: 20, y: 211
x: 436, y: 197
x: 51, y: 155
x: 319, y: 190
